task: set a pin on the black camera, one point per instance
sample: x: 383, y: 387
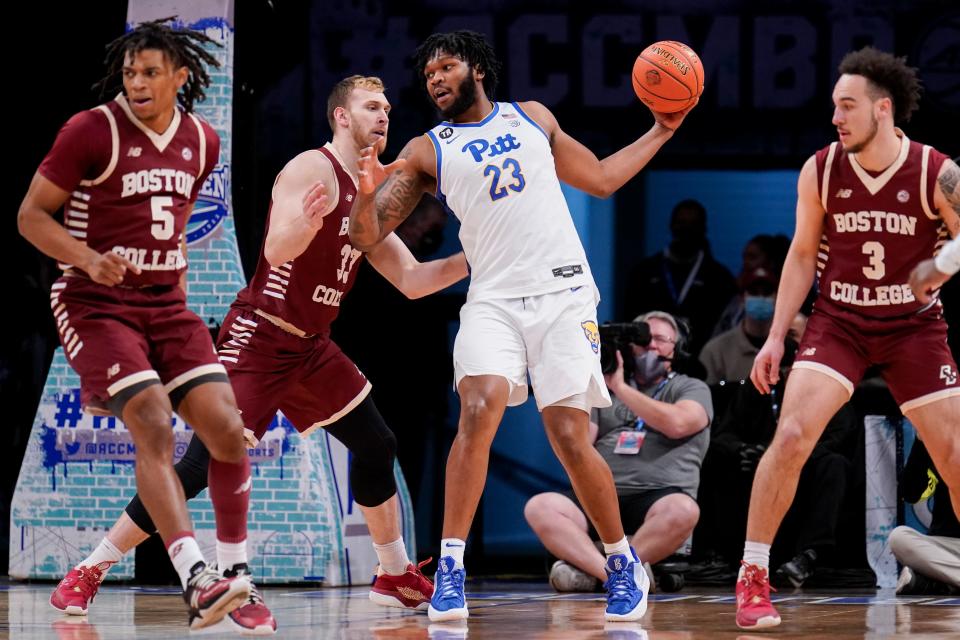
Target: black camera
x: 618, y: 336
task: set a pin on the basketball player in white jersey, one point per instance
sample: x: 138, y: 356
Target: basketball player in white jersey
x: 532, y: 301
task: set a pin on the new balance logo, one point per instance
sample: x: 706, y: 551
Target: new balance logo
x: 411, y: 594
x: 114, y: 370
x: 243, y: 488
x: 809, y: 351
x: 176, y: 550
x: 844, y: 193
x: 134, y: 152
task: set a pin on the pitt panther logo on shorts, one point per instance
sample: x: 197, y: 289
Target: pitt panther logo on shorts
x: 593, y: 334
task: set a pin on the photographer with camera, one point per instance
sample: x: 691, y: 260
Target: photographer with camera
x: 653, y: 437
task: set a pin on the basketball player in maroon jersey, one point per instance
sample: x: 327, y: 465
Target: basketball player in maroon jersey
x: 870, y: 207
x: 127, y: 174
x: 275, y: 341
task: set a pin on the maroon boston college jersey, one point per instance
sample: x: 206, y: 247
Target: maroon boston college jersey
x: 876, y: 228
x: 132, y: 189
x: 306, y: 291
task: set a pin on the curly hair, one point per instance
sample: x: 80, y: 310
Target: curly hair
x: 469, y: 46
x: 183, y: 47
x: 888, y: 76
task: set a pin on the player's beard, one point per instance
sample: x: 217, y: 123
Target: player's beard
x: 860, y: 146
x: 466, y: 96
x: 363, y: 141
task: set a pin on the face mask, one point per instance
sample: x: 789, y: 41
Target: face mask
x: 648, y: 368
x: 758, y: 308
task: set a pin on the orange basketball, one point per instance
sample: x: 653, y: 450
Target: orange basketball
x: 668, y: 76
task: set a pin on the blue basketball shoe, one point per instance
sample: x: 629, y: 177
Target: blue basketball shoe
x: 627, y: 586
x: 448, y: 601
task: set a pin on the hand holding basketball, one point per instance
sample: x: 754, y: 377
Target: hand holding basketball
x: 668, y: 78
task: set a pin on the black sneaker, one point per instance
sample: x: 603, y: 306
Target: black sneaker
x: 798, y: 570
x: 912, y: 583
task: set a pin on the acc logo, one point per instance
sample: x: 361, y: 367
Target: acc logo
x: 948, y: 375
x: 593, y: 334
x: 902, y: 195
x: 446, y: 133
x: 187, y: 154
x: 211, y: 207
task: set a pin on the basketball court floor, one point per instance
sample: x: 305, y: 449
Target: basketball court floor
x: 498, y: 610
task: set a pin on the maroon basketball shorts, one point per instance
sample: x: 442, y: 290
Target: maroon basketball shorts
x: 911, y: 352
x: 121, y: 340
x: 310, y: 379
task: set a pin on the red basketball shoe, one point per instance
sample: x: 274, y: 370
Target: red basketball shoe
x: 210, y: 596
x: 254, y: 617
x: 754, y: 609
x: 77, y: 589
x: 411, y: 590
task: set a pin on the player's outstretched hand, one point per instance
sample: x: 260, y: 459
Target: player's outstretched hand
x: 766, y: 366
x: 672, y: 120
x: 315, y: 205
x: 109, y: 268
x: 372, y: 173
x: 925, y: 279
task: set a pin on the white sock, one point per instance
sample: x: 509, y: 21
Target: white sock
x: 757, y: 553
x: 185, y: 554
x: 621, y: 546
x: 104, y: 556
x: 393, y: 557
x: 230, y: 554
x: 453, y: 547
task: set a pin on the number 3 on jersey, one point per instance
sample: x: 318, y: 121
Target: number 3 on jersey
x: 511, y: 165
x: 350, y: 256
x: 876, y: 270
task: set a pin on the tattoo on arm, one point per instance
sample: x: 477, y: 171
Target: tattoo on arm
x: 950, y: 185
x: 397, y: 199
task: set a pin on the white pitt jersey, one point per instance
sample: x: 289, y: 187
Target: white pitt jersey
x: 498, y: 177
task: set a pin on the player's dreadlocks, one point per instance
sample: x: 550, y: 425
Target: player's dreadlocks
x: 889, y: 77
x: 183, y: 47
x: 469, y: 46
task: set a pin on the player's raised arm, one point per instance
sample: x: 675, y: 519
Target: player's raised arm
x: 579, y: 167
x: 415, y: 279
x: 388, y: 194
x: 304, y: 192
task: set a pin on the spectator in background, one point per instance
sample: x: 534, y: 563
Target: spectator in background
x: 763, y: 251
x: 931, y: 562
x: 684, y: 279
x: 653, y: 437
x: 729, y: 356
x: 740, y: 437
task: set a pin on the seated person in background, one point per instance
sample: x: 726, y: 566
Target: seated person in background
x: 654, y: 437
x: 740, y: 436
x: 729, y: 356
x: 931, y: 562
x: 763, y: 251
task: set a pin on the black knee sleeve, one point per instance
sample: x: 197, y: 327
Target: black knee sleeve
x: 192, y: 471
x: 374, y: 448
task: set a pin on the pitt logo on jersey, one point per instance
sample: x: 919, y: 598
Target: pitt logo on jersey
x: 501, y: 145
x: 593, y: 334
